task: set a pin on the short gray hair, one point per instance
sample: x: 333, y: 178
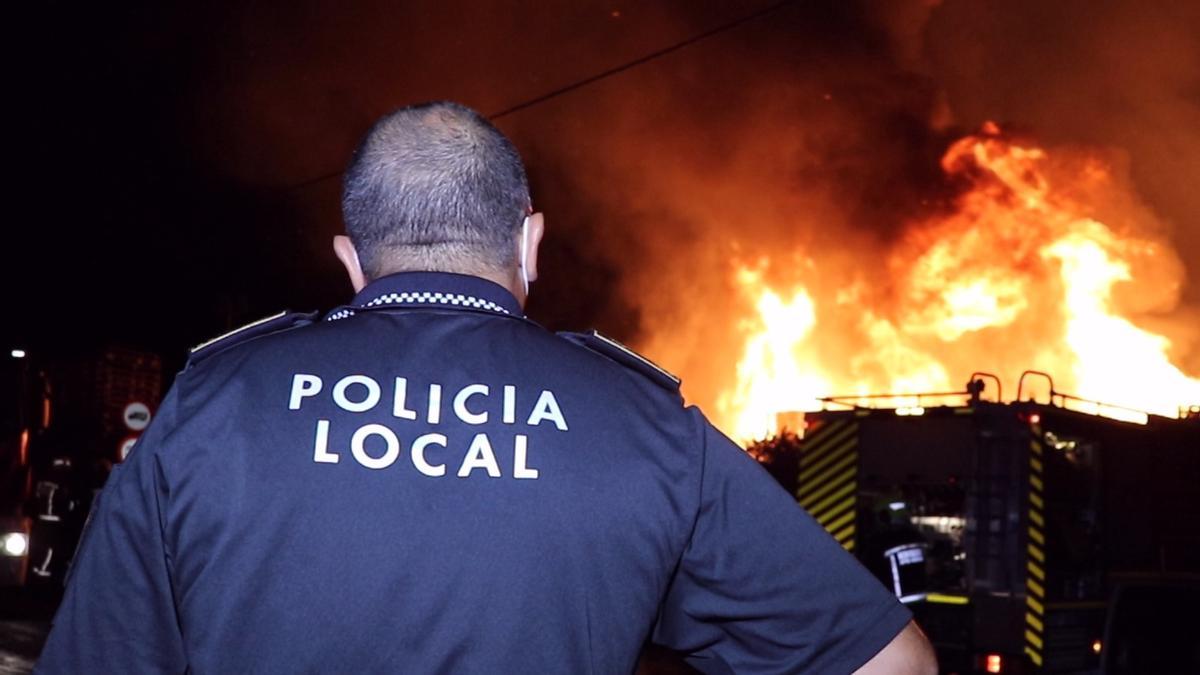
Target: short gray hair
x: 434, y: 187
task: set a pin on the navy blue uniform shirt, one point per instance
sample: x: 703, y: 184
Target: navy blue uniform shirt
x: 427, y: 482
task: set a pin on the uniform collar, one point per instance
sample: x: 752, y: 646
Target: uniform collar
x: 443, y: 290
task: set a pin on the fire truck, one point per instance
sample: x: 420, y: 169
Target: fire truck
x: 1037, y: 536
x: 65, y: 419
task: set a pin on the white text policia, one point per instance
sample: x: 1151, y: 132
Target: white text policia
x: 472, y: 405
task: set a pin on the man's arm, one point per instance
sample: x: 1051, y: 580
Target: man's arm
x: 909, y: 653
x: 762, y: 587
x: 118, y: 614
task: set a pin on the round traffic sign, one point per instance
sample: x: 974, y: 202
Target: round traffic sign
x: 126, y: 446
x: 136, y: 415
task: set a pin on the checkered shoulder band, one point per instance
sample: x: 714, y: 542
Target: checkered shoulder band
x: 425, y: 298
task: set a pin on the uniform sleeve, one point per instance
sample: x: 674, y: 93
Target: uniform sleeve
x: 762, y: 588
x: 118, y: 613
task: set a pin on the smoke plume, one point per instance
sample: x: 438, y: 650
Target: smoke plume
x: 806, y: 146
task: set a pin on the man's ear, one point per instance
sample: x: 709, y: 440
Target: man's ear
x: 537, y: 227
x: 344, y: 249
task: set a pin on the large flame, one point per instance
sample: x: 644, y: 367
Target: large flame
x: 1035, y: 266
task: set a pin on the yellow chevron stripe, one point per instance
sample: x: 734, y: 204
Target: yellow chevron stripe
x: 848, y: 545
x: 826, y: 428
x: 1034, y: 656
x: 819, y: 472
x: 844, y: 534
x: 825, y: 432
x: 832, y: 527
x: 837, y: 511
x: 1036, y: 606
x: 1036, y: 553
x: 808, y: 474
x: 836, y: 455
x: 846, y: 474
x: 1037, y: 575
x: 815, y: 449
x: 840, y: 494
x: 1035, y: 570
x: 829, y: 433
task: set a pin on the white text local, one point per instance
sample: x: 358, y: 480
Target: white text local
x: 473, y: 404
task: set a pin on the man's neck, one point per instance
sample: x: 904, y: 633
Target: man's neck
x: 509, y: 280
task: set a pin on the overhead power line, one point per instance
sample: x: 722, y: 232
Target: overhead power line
x: 616, y: 70
x: 641, y: 60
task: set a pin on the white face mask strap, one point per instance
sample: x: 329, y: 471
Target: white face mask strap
x: 524, y: 245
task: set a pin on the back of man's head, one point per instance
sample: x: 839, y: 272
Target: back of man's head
x: 435, y: 187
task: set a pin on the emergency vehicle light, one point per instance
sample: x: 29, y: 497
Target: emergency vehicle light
x: 944, y: 599
x: 14, y: 544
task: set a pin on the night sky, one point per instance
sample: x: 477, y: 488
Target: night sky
x: 177, y: 165
x: 180, y: 162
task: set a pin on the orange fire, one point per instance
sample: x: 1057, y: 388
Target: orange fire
x: 1043, y: 262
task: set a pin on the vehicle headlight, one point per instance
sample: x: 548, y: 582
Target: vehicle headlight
x: 14, y: 544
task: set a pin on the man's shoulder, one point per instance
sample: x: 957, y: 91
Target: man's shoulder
x: 270, y: 325
x: 626, y: 358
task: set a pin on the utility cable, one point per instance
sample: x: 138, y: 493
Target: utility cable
x: 616, y: 70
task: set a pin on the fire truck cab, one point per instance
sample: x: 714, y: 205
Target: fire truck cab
x: 1026, y: 537
x: 62, y: 426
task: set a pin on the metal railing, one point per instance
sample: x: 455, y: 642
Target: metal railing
x: 973, y: 394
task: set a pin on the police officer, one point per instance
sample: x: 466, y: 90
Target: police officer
x: 425, y: 481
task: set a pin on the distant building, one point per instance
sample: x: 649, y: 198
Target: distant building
x: 92, y: 392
